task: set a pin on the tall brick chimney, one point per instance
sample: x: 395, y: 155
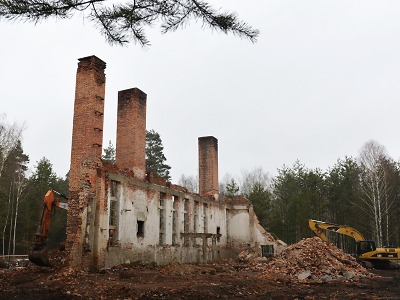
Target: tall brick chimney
x: 208, y: 166
x: 87, y: 139
x: 87, y: 133
x: 131, y: 132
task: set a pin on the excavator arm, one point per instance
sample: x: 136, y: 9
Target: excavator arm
x: 318, y: 227
x: 38, y: 253
x: 366, y: 251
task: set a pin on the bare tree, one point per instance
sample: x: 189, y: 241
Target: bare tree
x: 191, y: 183
x: 257, y: 176
x: 223, y: 183
x: 9, y: 136
x: 20, y: 184
x: 125, y: 21
x: 376, y: 187
x: 6, y: 220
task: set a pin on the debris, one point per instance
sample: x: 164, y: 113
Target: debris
x: 225, y: 279
x: 349, y: 274
x: 247, y: 255
x: 304, y: 275
x: 313, y: 257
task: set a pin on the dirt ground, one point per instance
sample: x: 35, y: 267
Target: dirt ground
x: 309, y: 269
x: 230, y: 279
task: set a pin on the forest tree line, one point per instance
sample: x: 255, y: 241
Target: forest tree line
x: 362, y: 192
x: 21, y: 195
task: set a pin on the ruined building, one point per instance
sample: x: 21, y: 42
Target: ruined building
x: 118, y: 213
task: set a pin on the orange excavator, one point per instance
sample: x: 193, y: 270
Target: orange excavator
x: 38, y: 252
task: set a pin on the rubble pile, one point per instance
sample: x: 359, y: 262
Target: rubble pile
x: 248, y: 255
x: 312, y: 258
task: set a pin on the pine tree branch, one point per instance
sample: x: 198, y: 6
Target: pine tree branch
x: 122, y: 23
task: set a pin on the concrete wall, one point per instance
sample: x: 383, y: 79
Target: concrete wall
x: 163, y: 238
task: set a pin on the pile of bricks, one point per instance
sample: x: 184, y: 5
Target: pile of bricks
x: 312, y: 258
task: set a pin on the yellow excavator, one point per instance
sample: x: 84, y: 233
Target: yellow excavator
x: 366, y: 251
x: 38, y: 253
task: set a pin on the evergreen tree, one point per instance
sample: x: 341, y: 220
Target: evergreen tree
x: 343, y: 194
x: 232, y: 189
x: 125, y: 21
x: 155, y: 158
x: 109, y: 153
x: 42, y: 180
x: 261, y: 200
x: 299, y: 195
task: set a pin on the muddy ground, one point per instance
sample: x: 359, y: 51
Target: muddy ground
x: 225, y: 280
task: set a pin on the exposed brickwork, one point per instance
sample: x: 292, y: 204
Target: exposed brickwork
x: 87, y: 133
x: 115, y: 214
x: 87, y: 139
x: 208, y: 165
x: 131, y: 132
x: 154, y: 178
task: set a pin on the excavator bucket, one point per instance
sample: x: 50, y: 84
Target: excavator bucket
x: 39, y: 256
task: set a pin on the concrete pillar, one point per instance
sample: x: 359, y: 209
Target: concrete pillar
x: 208, y: 166
x: 131, y: 132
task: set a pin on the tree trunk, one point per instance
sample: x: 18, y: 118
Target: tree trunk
x: 6, y: 222
x: 20, y: 188
x: 11, y: 221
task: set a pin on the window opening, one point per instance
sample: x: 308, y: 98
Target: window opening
x: 196, y: 216
x: 140, y: 229
x: 186, y: 218
x: 175, y: 220
x: 267, y: 250
x: 162, y: 221
x: 113, y: 213
x: 205, y: 219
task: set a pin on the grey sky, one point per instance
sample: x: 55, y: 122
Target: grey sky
x: 322, y: 80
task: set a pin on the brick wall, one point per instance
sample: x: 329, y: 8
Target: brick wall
x: 131, y: 132
x: 87, y: 133
x: 87, y: 140
x: 208, y: 165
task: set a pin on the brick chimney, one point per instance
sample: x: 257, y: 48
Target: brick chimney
x: 87, y: 139
x: 87, y: 132
x: 131, y: 132
x: 208, y: 166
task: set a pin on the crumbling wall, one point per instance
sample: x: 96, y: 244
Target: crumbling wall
x: 87, y: 139
x: 162, y: 238
x: 118, y: 213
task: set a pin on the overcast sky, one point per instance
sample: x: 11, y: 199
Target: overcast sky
x: 322, y: 80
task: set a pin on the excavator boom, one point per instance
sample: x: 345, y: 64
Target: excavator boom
x: 366, y: 250
x: 38, y: 253
x: 318, y: 227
